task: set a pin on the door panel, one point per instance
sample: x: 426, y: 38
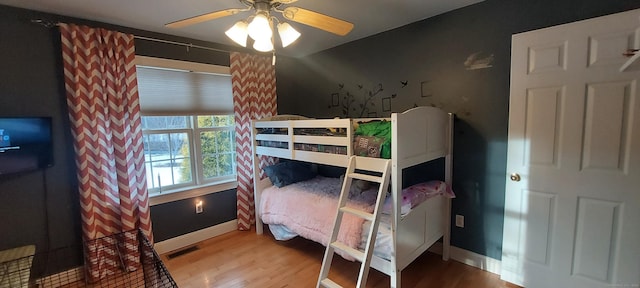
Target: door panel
x: 540, y: 219
x: 606, y: 125
x: 596, y: 242
x: 548, y: 58
x: 604, y: 48
x: 544, y: 108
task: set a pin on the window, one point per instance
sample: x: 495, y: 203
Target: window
x: 188, y: 124
x: 184, y: 151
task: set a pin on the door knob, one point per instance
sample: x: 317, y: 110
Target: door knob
x: 515, y: 177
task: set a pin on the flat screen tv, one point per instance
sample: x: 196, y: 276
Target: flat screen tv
x: 25, y: 144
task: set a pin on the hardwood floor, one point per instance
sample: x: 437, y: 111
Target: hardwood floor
x: 244, y: 259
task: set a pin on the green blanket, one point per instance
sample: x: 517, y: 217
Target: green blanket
x: 380, y: 129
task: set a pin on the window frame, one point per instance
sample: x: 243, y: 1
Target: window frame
x: 192, y: 130
x: 198, y: 151
x: 198, y: 186
x: 179, y: 186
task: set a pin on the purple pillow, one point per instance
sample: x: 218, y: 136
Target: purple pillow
x: 414, y: 195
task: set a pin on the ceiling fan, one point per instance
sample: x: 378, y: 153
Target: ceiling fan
x: 259, y: 26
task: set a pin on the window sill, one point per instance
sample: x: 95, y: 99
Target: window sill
x: 191, y: 192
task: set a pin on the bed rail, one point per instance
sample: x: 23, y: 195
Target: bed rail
x: 291, y: 139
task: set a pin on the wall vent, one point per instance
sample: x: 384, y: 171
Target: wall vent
x: 182, y: 252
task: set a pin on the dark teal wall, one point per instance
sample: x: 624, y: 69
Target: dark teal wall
x: 178, y: 218
x: 31, y: 85
x: 424, y: 64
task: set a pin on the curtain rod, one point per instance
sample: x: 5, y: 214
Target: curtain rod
x: 188, y: 45
x: 49, y: 24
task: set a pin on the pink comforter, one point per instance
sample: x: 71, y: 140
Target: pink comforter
x: 309, y: 208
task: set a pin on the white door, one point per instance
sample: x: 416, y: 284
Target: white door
x: 572, y: 219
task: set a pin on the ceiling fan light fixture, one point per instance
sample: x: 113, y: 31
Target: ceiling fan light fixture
x: 260, y: 25
x: 238, y: 33
x: 287, y: 34
x: 263, y: 45
x: 260, y: 28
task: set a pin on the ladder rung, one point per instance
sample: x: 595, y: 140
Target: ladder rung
x: 366, y: 177
x: 326, y: 282
x: 359, y: 255
x: 359, y: 213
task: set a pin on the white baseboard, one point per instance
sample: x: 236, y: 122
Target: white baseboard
x: 195, y: 237
x: 470, y: 258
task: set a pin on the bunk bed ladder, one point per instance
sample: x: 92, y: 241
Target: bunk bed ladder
x: 356, y: 165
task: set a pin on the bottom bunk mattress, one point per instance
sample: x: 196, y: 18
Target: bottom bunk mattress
x: 382, y: 247
x: 308, y: 209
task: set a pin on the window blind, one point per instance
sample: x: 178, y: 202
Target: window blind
x: 179, y: 92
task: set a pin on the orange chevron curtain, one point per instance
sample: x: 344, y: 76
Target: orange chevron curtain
x: 102, y: 96
x: 254, y: 96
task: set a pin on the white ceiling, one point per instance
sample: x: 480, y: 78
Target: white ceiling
x: 369, y: 17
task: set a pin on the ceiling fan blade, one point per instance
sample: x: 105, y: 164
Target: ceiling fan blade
x: 318, y: 20
x: 202, y: 18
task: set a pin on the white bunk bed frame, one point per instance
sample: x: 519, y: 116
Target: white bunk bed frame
x: 419, y: 135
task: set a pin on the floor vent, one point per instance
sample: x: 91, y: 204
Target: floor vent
x: 182, y: 252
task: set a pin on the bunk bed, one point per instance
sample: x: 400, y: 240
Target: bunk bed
x: 418, y: 135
